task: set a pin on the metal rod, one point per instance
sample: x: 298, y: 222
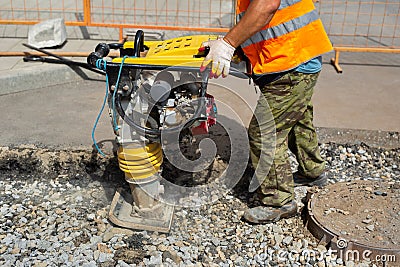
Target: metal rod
x: 62, y: 54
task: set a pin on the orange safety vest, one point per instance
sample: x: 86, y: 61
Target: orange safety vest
x: 293, y: 36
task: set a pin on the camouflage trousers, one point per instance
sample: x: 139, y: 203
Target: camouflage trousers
x: 283, y: 120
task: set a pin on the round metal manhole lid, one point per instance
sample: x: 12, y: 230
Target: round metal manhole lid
x: 364, y: 214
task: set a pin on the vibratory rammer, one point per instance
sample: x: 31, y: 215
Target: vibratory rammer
x: 156, y: 95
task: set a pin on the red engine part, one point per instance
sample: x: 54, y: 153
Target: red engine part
x: 211, y: 113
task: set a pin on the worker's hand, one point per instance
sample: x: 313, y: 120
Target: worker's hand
x: 220, y: 55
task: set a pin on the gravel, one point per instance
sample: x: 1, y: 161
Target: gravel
x: 54, y: 205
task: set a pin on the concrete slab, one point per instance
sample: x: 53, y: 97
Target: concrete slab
x: 362, y: 97
x: 61, y: 115
x: 9, y: 44
x: 48, y: 33
x: 39, y: 76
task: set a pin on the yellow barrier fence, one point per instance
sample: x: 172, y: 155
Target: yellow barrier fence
x: 179, y: 15
x: 28, y: 12
x: 352, y: 25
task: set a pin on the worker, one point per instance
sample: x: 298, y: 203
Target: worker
x: 284, y: 41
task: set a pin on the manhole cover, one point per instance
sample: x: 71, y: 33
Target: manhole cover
x: 359, y: 219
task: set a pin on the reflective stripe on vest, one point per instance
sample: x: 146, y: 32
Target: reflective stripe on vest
x: 286, y: 3
x: 282, y: 29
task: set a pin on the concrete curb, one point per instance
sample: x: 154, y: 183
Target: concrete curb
x: 42, y: 75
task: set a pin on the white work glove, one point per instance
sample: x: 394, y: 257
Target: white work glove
x: 220, y: 55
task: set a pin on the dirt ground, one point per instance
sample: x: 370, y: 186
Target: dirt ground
x: 367, y: 212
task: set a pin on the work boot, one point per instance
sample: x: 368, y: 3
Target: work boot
x: 267, y: 214
x: 301, y: 180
